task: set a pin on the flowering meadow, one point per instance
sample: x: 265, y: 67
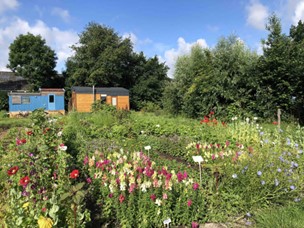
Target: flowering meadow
x: 122, y: 169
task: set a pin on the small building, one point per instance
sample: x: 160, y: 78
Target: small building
x: 83, y: 97
x: 22, y: 102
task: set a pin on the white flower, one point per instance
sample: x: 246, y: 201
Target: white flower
x: 122, y: 186
x: 234, y: 176
x: 247, y: 120
x: 59, y: 133
x: 255, y: 118
x: 63, y: 147
x: 157, y: 125
x: 158, y: 202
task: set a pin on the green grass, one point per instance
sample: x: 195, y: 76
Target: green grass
x: 6, y: 123
x: 290, y: 216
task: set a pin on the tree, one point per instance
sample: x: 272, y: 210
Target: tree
x: 101, y: 58
x: 276, y: 82
x: 30, y: 57
x: 150, y: 77
x: 297, y: 69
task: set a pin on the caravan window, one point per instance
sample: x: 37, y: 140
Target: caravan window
x: 25, y: 100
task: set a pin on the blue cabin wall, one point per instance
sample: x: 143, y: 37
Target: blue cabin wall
x: 39, y: 101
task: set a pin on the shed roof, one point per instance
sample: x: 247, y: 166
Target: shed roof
x: 110, y: 91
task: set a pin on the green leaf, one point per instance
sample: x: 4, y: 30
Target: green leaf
x: 77, y: 187
x: 65, y: 195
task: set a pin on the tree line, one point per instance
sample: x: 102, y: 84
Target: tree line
x: 229, y: 79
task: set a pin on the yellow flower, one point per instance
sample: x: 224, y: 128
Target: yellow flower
x: 44, y: 222
x: 25, y: 205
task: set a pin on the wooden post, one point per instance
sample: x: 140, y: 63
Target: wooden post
x: 279, y: 118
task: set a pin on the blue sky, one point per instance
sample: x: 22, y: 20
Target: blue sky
x: 166, y: 28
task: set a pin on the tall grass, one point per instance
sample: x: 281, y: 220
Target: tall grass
x: 290, y: 216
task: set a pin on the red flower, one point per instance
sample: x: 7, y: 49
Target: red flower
x: 20, y: 141
x: 211, y: 113
x: 121, y: 198
x: 189, y: 203
x: 24, y: 181
x: 12, y: 170
x: 29, y: 133
x: 275, y: 123
x: 74, y: 174
x: 153, y: 197
x: 43, y: 209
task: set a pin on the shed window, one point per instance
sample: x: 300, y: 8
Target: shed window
x: 103, y: 97
x: 16, y: 99
x: 51, y: 99
x: 25, y: 100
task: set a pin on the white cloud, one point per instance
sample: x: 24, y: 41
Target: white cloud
x: 64, y: 14
x: 183, y: 48
x: 298, y: 13
x: 8, y: 5
x: 257, y: 14
x: 59, y: 40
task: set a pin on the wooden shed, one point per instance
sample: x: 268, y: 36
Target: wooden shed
x: 83, y: 97
x: 22, y: 102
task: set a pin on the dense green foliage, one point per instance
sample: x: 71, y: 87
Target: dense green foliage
x: 30, y: 57
x: 104, y: 59
x: 231, y: 79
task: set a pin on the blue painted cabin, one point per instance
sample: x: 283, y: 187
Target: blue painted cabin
x: 21, y: 103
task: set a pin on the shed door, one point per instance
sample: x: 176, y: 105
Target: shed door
x: 51, y: 102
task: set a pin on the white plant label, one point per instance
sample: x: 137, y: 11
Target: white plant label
x: 167, y: 221
x: 198, y: 159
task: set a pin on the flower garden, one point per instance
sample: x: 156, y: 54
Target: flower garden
x: 120, y: 169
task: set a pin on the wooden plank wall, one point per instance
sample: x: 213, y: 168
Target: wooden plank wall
x: 83, y: 102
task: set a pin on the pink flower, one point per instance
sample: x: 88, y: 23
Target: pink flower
x: 194, y: 225
x: 85, y: 160
x: 195, y: 186
x: 132, y: 187
x: 153, y: 197
x: 213, y: 157
x: 189, y: 203
x: 121, y: 198
x: 180, y: 176
x: 43, y: 209
x: 165, y: 196
x: 110, y: 195
x: 89, y: 180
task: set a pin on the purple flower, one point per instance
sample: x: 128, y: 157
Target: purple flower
x: 297, y: 199
x: 259, y: 173
x: 25, y: 193
x: 89, y: 180
x: 279, y: 170
x: 292, y: 187
x: 248, y: 214
x: 262, y: 182
x: 234, y: 176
